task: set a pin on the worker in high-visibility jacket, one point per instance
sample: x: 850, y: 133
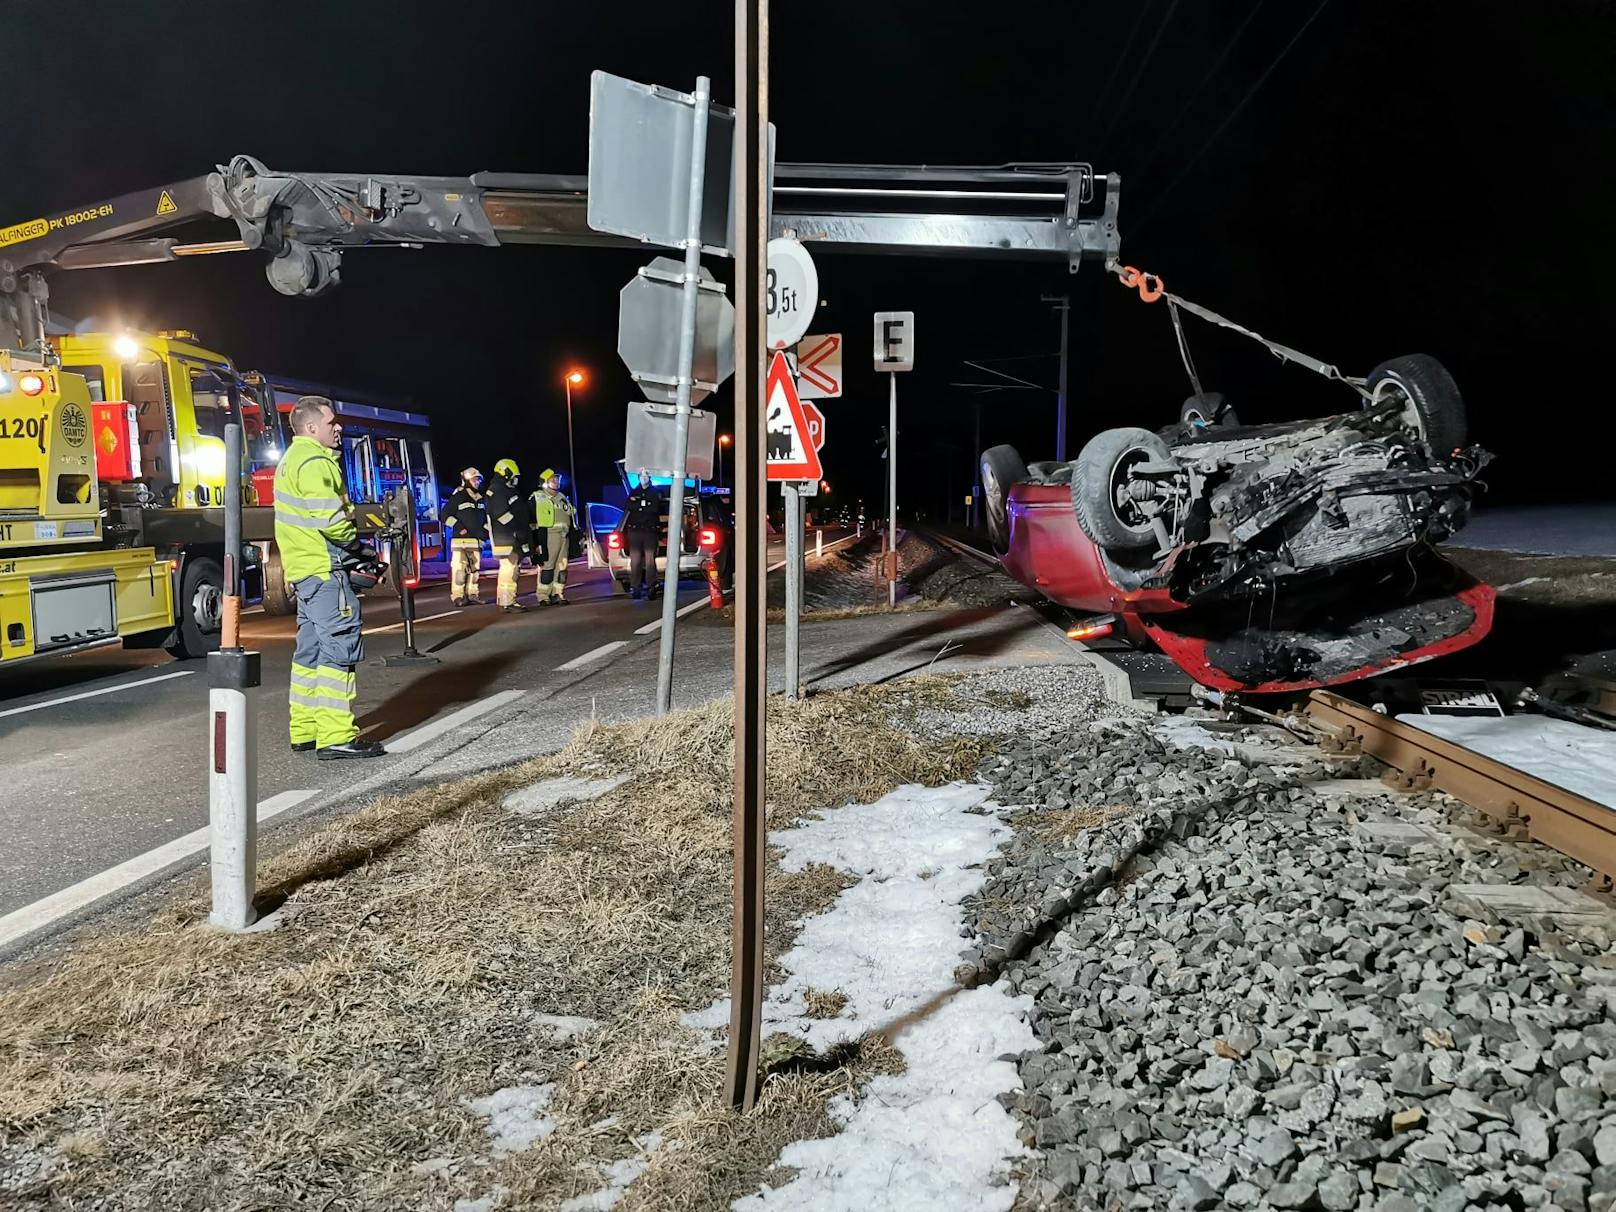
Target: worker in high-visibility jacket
x: 318, y: 543
x: 466, y: 522
x: 510, y: 530
x: 553, y: 520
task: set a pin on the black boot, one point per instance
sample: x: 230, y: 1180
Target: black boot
x: 352, y: 749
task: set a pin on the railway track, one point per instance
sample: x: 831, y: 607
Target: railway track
x: 1522, y: 805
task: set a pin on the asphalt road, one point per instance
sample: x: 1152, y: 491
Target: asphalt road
x: 104, y: 752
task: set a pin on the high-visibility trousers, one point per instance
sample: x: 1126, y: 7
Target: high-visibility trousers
x: 329, y: 645
x: 465, y: 565
x: 553, y: 568
x: 510, y: 561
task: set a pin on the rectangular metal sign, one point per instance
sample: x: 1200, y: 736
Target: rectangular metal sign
x: 639, y: 156
x: 651, y: 446
x: 894, y: 340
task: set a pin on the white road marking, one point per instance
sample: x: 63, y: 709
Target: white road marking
x: 436, y: 728
x: 90, y: 694
x: 425, y: 618
x: 22, y: 922
x: 594, y: 654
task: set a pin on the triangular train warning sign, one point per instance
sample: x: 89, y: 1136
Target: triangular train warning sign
x: 165, y: 204
x: 790, y: 453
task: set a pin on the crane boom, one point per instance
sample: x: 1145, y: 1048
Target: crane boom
x: 303, y: 223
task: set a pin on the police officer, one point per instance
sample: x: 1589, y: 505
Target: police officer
x: 553, y: 520
x: 464, y: 513
x: 318, y: 542
x: 642, y: 529
x: 510, y: 528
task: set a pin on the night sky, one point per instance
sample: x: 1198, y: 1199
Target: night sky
x: 1407, y: 177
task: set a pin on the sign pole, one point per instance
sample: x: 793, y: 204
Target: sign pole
x: 794, y: 534
x: 233, y: 740
x: 749, y: 818
x: 892, y: 491
x: 687, y: 357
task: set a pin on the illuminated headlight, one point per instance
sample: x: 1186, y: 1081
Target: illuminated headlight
x: 210, y: 461
x: 5, y: 383
x: 127, y: 348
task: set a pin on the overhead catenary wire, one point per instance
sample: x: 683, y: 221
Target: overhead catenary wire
x: 1233, y: 114
x: 1121, y: 107
x: 1149, y: 157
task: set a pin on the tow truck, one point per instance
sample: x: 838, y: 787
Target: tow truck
x: 164, y: 508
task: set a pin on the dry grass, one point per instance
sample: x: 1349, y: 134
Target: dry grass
x: 171, y: 1067
x: 822, y: 1004
x: 1061, y: 825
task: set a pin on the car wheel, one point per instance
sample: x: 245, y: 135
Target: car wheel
x: 1105, y: 508
x: 201, y: 601
x: 1432, y: 405
x: 1001, y: 468
x: 1207, y: 409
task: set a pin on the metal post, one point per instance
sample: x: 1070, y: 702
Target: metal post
x: 976, y: 471
x: 1065, y: 308
x: 681, y: 422
x: 751, y: 553
x: 572, y: 459
x: 233, y: 740
x: 793, y: 583
x: 892, y: 491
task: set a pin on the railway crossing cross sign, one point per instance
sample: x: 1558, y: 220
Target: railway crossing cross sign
x: 788, y: 438
x: 819, y: 366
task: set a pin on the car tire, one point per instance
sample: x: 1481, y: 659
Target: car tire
x: 1208, y: 407
x: 196, y: 629
x: 1434, y: 406
x: 1001, y: 468
x: 1095, y: 480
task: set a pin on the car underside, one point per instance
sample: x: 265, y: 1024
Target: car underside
x: 1262, y: 557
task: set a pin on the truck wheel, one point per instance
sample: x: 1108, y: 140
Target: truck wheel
x: 278, y: 599
x: 1105, y: 510
x: 198, y: 609
x: 1432, y: 404
x: 1001, y: 468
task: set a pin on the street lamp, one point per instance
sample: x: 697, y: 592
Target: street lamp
x: 573, y: 378
x: 723, y: 440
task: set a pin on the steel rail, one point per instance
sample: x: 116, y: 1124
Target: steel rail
x: 1572, y: 824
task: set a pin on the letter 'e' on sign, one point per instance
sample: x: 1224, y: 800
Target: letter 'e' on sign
x: 894, y: 340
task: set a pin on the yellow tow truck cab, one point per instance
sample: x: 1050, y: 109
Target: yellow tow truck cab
x: 61, y: 586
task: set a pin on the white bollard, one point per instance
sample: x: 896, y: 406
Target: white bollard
x: 819, y: 543
x: 232, y: 789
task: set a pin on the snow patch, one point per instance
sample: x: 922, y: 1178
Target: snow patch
x: 548, y: 794
x: 1577, y: 758
x: 486, y: 1204
x: 516, y: 1118
x: 935, y: 1136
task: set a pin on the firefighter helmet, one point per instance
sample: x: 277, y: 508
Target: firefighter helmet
x: 506, y: 468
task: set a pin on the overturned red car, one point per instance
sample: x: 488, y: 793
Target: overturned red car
x: 1261, y: 558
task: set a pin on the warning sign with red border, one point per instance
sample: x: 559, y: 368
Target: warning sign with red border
x: 788, y: 439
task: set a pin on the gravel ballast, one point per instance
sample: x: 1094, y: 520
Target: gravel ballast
x: 1253, y: 988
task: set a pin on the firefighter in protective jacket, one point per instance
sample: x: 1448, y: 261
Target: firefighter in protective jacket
x: 464, y: 515
x: 553, y: 520
x: 318, y: 543
x: 510, y: 528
